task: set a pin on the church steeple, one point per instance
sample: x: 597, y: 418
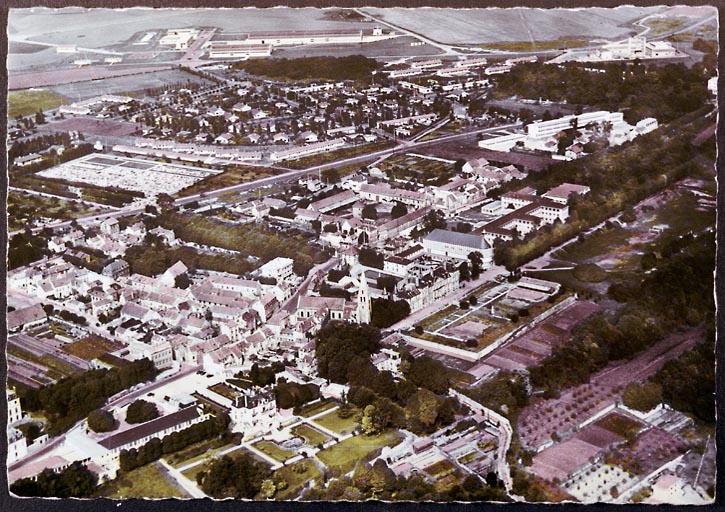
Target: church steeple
x: 363, y: 301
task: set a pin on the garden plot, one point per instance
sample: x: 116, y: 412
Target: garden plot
x: 150, y: 178
x: 535, y: 344
x: 599, y: 484
x: 650, y: 450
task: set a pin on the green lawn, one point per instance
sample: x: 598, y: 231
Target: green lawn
x: 342, y: 426
x: 144, y: 482
x: 536, y: 45
x: 295, y: 480
x: 274, y: 451
x: 345, y: 455
x: 23, y: 103
x: 316, y: 408
x: 198, y: 451
x: 312, y: 436
x: 603, y: 241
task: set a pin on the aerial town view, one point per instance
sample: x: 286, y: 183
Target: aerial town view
x: 362, y: 254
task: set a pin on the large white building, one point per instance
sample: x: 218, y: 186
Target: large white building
x: 280, y: 269
x: 179, y: 38
x: 441, y: 243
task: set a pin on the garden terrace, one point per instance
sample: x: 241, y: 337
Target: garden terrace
x: 344, y: 455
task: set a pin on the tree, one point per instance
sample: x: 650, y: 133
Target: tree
x: 649, y: 261
x: 399, y: 210
x: 642, y: 397
x: 423, y: 407
x: 330, y: 176
x: 386, y: 312
x: 182, y: 281
x: 239, y: 477
x: 141, y: 411
x: 101, y: 420
x: 75, y: 481
x: 338, y: 342
x: 369, y: 212
x: 368, y: 422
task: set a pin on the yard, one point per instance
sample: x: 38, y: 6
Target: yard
x: 198, y: 451
x: 440, y: 468
x: 316, y: 408
x: 296, y: 476
x: 343, y: 426
x: 273, y: 450
x: 24, y: 103
x: 343, y: 456
x: 340, y: 154
x: 144, y: 482
x: 312, y: 436
x: 91, y: 347
x: 228, y: 178
x: 619, y: 424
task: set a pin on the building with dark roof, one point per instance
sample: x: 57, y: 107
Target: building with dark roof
x: 158, y: 428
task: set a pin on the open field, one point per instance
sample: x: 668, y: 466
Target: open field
x: 23, y: 103
x: 126, y: 84
x: 481, y: 26
x: 346, y: 454
x: 66, y: 76
x: 144, y: 482
x: 397, y: 47
x: 532, y: 46
x: 92, y: 126
x: 296, y: 478
x: 332, y: 421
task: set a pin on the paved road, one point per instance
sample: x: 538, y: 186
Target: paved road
x: 184, y: 483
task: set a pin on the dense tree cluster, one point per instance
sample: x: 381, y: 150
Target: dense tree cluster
x: 73, y: 398
x: 371, y: 258
x: 156, y: 448
x: 377, y: 481
x: 249, y: 239
x: 399, y: 210
x: 101, y: 420
x: 141, y: 411
x: 688, y: 383
x: 678, y: 294
x: 506, y: 393
x: 619, y: 178
x: 386, y: 312
x: 337, y: 344
x: 639, y: 90
x: 75, y: 481
x: 291, y: 394
x: 239, y: 477
x: 353, y: 67
x: 25, y: 248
